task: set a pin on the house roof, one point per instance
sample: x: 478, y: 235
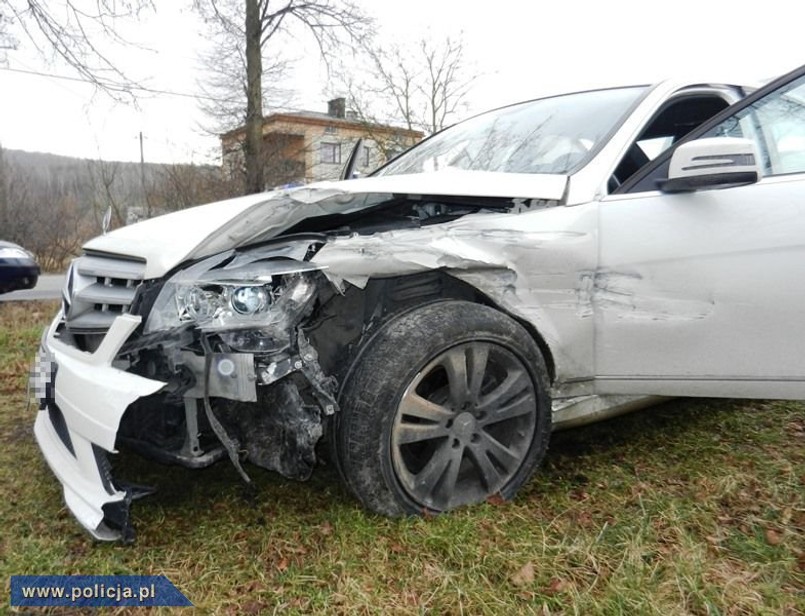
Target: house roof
x: 325, y: 119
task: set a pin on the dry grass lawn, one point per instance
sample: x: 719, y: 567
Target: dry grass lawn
x: 695, y: 507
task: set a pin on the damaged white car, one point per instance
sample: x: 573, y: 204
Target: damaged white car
x: 434, y: 322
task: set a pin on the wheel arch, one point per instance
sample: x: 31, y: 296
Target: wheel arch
x: 344, y: 323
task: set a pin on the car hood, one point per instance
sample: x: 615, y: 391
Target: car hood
x: 167, y: 241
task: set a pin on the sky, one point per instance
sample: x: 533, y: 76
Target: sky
x: 518, y: 49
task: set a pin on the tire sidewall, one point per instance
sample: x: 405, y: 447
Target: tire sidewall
x: 386, y: 367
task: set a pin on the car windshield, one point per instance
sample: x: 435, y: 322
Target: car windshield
x: 550, y: 135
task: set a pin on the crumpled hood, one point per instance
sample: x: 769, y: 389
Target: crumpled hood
x: 166, y: 241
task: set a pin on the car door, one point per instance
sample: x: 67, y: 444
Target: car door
x: 702, y: 293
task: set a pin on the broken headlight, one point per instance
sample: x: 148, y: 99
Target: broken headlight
x: 259, y: 302
x: 205, y: 304
x: 249, y: 300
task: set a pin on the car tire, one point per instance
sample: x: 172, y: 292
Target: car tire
x: 445, y: 405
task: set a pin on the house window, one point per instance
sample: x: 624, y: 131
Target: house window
x: 367, y: 156
x: 331, y: 153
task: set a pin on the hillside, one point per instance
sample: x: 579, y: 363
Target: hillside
x: 52, y: 204
x: 83, y: 179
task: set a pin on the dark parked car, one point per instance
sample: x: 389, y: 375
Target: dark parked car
x: 18, y: 268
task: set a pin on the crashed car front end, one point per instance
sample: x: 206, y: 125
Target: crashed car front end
x: 240, y: 352
x: 180, y: 369
x: 233, y: 330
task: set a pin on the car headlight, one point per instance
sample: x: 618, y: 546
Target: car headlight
x: 249, y: 300
x: 205, y: 303
x: 216, y: 299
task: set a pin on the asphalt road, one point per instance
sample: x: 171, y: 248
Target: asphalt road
x: 48, y: 287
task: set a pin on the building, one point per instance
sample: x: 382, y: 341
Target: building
x: 307, y: 146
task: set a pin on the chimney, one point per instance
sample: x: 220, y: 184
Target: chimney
x: 337, y: 108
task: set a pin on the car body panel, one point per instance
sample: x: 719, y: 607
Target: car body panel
x: 485, y: 251
x: 722, y: 273
x: 91, y: 396
x: 84, y: 493
x: 166, y: 241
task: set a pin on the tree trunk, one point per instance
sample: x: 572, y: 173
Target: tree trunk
x: 253, y: 146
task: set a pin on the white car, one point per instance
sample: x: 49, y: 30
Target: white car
x: 432, y: 323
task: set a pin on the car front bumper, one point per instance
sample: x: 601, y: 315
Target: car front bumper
x: 82, y: 398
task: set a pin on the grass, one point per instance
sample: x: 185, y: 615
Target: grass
x: 695, y: 507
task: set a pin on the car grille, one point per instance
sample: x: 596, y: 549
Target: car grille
x: 99, y: 287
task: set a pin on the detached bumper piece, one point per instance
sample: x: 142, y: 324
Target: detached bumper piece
x: 82, y: 398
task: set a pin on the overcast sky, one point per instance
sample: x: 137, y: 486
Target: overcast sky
x: 521, y: 49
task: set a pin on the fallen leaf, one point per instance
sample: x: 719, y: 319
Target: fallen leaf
x: 496, y: 499
x: 253, y: 608
x: 584, y: 519
x: 524, y: 576
x: 326, y: 529
x: 556, y: 586
x: 773, y: 537
x: 282, y: 565
x: 253, y: 587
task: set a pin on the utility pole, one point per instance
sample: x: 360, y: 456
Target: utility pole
x: 4, y: 209
x: 142, y: 179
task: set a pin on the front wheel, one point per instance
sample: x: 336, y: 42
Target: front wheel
x: 445, y: 406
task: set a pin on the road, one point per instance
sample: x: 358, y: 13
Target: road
x: 48, y: 287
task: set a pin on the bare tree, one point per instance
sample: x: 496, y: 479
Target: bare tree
x: 7, y: 40
x: 263, y: 27
x: 422, y: 84
x: 107, y: 194
x: 45, y: 217
x: 74, y: 31
x: 177, y: 187
x: 225, y: 84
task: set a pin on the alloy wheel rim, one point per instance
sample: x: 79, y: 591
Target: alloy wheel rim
x: 464, y: 425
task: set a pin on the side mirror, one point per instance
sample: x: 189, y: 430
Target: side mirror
x: 714, y: 162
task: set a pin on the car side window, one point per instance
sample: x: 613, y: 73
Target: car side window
x: 675, y: 120
x: 776, y: 123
